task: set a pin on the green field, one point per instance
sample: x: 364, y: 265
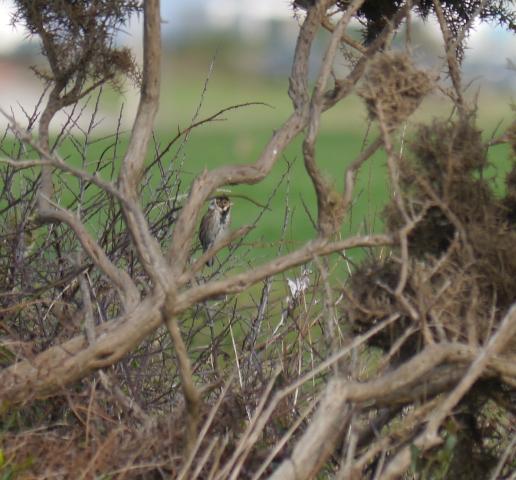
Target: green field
x: 242, y: 134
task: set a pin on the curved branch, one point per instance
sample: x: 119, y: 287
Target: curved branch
x: 345, y: 86
x: 330, y: 204
x: 148, y: 249
x: 58, y: 366
x: 50, y: 371
x: 122, y: 281
x: 430, y: 437
x: 298, y: 82
x: 318, y: 442
x: 207, y: 182
x: 239, y: 282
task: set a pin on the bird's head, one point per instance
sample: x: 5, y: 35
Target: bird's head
x: 221, y: 203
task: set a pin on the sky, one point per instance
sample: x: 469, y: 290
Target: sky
x: 186, y: 17
x: 220, y: 13
x: 10, y: 37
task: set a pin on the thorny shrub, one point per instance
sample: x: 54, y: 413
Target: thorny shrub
x: 127, y: 421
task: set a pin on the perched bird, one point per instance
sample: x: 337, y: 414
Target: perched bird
x: 215, y: 223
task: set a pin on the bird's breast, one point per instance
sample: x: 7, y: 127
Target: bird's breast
x: 224, y: 217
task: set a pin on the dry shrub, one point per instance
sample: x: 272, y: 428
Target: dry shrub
x: 371, y: 301
x: 376, y: 14
x: 393, y: 88
x: 79, y: 38
x: 96, y: 438
x: 463, y: 238
x: 460, y: 279
x: 89, y: 428
x: 457, y: 287
x: 450, y: 148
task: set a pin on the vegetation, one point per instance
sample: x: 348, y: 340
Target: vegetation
x: 124, y: 356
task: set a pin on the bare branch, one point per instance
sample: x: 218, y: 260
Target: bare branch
x: 298, y: 82
x: 330, y: 204
x: 146, y: 245
x: 451, y: 57
x: 352, y: 169
x: 318, y: 442
x: 430, y: 437
x: 52, y: 159
x: 122, y: 281
x: 207, y: 182
x: 344, y: 87
x: 239, y: 282
x: 60, y: 365
x: 191, y: 393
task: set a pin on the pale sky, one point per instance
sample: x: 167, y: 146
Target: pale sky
x: 485, y: 40
x: 10, y: 37
x: 222, y: 12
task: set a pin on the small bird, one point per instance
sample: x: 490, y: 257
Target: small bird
x: 215, y: 223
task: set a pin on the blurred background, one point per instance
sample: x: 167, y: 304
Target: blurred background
x: 220, y: 53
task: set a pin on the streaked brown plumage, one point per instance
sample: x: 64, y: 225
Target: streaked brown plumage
x: 215, y: 223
